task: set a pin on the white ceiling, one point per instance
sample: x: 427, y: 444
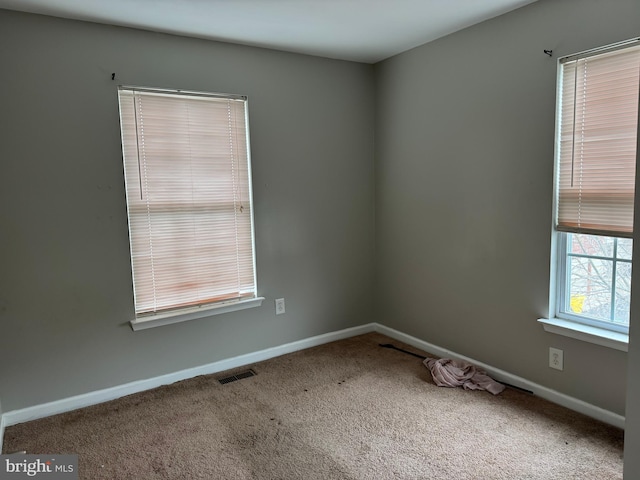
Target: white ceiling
x: 359, y: 30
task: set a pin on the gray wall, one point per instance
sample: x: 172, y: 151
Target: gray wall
x: 632, y: 418
x: 65, y: 281
x: 464, y: 168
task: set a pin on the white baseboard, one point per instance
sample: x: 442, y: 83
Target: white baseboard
x: 92, y: 398
x: 506, y: 377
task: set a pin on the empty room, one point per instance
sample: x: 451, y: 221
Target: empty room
x: 215, y: 215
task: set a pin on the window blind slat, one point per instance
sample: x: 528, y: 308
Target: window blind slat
x: 189, y: 202
x: 597, y: 131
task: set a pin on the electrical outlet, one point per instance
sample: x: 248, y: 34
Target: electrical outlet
x: 556, y: 358
x: 279, y: 306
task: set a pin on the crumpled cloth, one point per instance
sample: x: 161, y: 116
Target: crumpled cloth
x: 452, y: 373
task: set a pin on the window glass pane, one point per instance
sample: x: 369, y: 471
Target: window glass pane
x: 623, y: 293
x: 595, y: 245
x: 590, y: 287
x: 625, y: 247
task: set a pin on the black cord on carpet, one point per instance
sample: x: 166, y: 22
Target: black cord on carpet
x: 389, y: 345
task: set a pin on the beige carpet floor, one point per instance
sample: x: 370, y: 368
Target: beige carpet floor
x: 346, y: 410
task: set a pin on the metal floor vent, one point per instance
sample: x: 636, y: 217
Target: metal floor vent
x: 237, y: 376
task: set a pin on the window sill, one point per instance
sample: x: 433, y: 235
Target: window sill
x: 192, y: 314
x: 586, y: 333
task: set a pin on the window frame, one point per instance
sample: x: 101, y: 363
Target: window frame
x: 592, y: 330
x: 183, y: 312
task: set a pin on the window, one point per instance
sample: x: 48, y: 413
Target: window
x: 596, y: 141
x: 187, y: 175
x: 597, y: 273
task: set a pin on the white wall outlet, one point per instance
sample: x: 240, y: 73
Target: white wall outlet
x: 556, y: 358
x: 279, y: 306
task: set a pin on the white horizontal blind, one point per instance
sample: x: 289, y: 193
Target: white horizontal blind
x: 598, y: 127
x: 189, y: 199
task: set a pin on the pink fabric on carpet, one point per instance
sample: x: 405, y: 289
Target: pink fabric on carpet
x: 452, y: 373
